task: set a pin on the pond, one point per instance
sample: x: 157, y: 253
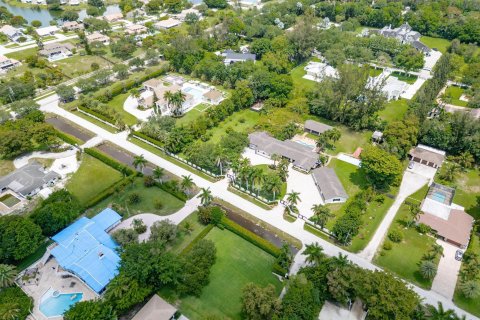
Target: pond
x: 45, y: 16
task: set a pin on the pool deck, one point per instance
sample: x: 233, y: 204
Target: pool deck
x: 50, y: 279
x: 5, y: 209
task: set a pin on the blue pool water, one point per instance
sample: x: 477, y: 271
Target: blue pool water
x: 438, y: 196
x: 57, y: 306
x: 195, y: 92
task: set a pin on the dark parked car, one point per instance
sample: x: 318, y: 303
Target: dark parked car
x: 459, y: 255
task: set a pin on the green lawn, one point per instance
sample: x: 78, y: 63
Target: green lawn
x: 148, y: 201
x: 78, y: 65
x: 350, y: 176
x: 192, y: 115
x: 241, y: 121
x: 6, y: 166
x: 437, y: 43
x: 22, y: 54
x: 470, y: 305
x: 238, y: 263
x: 374, y: 72
x: 394, y: 110
x: 467, y: 192
x: 184, y: 238
x: 404, y: 258
x: 117, y: 104
x: 452, y: 95
x: 299, y: 83
x: 410, y: 79
x: 91, y: 178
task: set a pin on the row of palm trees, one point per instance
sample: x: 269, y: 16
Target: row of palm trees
x: 175, y: 102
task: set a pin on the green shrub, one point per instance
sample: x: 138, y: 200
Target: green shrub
x: 134, y: 198
x: 143, y: 136
x: 67, y: 138
x: 139, y: 226
x: 277, y: 269
x: 423, y: 228
x: 387, y: 245
x: 158, y: 204
x: 148, y: 181
x: 109, y: 161
x: 395, y: 236
x: 109, y: 191
x: 251, y: 237
x: 97, y: 115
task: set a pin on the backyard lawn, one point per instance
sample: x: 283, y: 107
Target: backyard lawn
x: 91, y: 178
x: 404, y: 77
x: 470, y: 305
x: 78, y: 65
x: 404, y: 258
x: 452, y: 95
x: 394, y: 110
x: 192, y: 115
x: 152, y: 200
x: 437, y: 43
x: 117, y: 104
x: 241, y: 121
x: 184, y: 238
x: 467, y: 193
x: 238, y: 263
x: 374, y: 72
x: 350, y: 176
x: 299, y: 83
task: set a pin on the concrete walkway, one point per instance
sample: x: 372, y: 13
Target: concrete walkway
x: 131, y: 106
x: 273, y: 217
x: 411, y: 182
x: 447, y: 272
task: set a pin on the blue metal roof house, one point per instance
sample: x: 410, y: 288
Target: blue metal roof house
x: 86, y: 249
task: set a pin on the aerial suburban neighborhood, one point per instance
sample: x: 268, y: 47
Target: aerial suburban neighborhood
x: 256, y: 160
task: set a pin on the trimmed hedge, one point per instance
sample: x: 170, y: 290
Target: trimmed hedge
x: 277, y: 269
x: 109, y: 191
x: 97, y: 114
x: 165, y: 186
x: 251, y: 237
x: 143, y: 136
x: 68, y: 138
x: 200, y: 236
x: 110, y: 162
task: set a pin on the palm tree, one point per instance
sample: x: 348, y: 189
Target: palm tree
x: 275, y: 157
x: 470, y: 289
x: 206, y: 196
x: 314, y: 253
x: 414, y: 212
x: 440, y: 313
x: 158, y: 173
x: 428, y: 269
x: 258, y: 180
x: 341, y: 261
x: 10, y: 311
x: 187, y: 183
x: 321, y: 215
x: 293, y: 197
x: 139, y: 162
x: 176, y: 102
x: 220, y: 161
x: 8, y: 273
x: 437, y: 249
x: 168, y: 96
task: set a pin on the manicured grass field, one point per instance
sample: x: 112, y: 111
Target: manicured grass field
x: 437, y: 43
x: 470, y: 305
x: 22, y: 54
x: 454, y: 93
x: 467, y: 193
x: 184, y: 237
x: 394, y: 110
x: 350, y: 176
x: 299, y: 83
x: 192, y: 115
x: 6, y: 166
x: 241, y: 121
x: 404, y: 77
x: 148, y: 201
x: 372, y: 72
x: 238, y: 263
x: 117, y: 104
x: 78, y: 65
x: 404, y: 258
x: 91, y: 178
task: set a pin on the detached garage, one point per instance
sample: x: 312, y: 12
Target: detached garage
x: 427, y: 156
x: 329, y: 185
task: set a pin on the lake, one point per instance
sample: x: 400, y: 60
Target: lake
x: 44, y: 15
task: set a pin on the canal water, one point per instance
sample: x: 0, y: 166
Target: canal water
x: 45, y: 16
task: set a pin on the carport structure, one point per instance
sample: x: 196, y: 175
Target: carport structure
x: 428, y: 156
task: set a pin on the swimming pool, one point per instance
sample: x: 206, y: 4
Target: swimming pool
x: 305, y: 144
x: 196, y: 92
x: 439, y: 196
x: 55, y: 304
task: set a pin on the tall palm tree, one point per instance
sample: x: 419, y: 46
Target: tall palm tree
x: 139, y: 162
x: 293, y: 197
x: 187, y: 183
x: 8, y: 273
x: 168, y: 96
x: 259, y: 180
x: 275, y: 157
x: 158, y: 173
x: 220, y: 160
x: 206, y: 196
x: 321, y: 214
x: 341, y: 261
x: 177, y: 100
x: 439, y: 313
x: 314, y: 253
x: 428, y: 269
x: 414, y: 212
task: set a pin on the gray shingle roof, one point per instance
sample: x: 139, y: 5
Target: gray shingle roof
x: 428, y: 154
x: 328, y: 182
x: 317, y: 126
x: 27, y: 179
x: 302, y: 156
x: 231, y: 55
